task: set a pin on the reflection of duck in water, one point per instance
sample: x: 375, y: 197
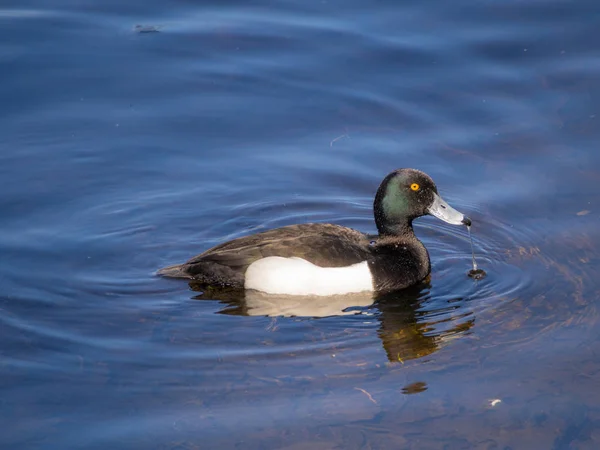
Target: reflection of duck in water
x: 276, y: 305
x: 405, y: 333
x: 325, y: 259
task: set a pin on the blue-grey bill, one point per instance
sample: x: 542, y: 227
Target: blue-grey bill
x: 443, y: 211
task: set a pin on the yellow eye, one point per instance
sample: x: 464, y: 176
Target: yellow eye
x: 415, y: 187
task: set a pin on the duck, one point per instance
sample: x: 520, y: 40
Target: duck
x: 322, y: 259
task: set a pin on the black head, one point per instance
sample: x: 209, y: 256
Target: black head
x: 406, y: 194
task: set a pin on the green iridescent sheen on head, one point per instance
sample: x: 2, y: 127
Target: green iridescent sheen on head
x: 395, y: 202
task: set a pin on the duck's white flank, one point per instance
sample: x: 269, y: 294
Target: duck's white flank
x: 296, y: 276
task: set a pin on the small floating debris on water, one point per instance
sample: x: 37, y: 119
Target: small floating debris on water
x: 414, y: 388
x: 147, y: 29
x: 475, y: 273
x: 494, y: 402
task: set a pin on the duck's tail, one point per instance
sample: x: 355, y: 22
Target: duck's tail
x: 176, y: 271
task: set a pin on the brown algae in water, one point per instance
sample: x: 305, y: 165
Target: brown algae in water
x: 475, y: 273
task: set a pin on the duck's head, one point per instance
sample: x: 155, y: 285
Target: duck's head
x: 406, y: 194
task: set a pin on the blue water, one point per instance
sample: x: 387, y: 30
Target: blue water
x: 134, y: 135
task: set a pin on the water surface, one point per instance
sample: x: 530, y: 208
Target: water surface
x: 136, y: 135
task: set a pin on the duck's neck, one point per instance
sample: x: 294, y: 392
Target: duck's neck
x: 400, y: 260
x: 403, y: 228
